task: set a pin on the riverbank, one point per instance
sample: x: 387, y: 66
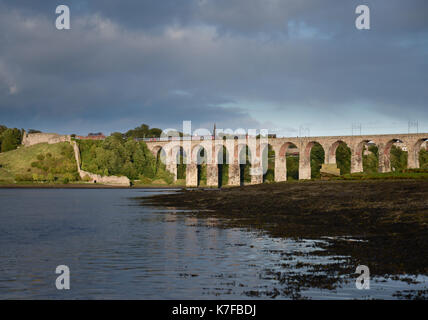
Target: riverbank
x: 82, y: 186
x: 381, y: 224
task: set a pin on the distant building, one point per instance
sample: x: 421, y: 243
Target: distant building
x: 92, y: 136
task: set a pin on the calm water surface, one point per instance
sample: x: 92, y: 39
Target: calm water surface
x: 118, y: 249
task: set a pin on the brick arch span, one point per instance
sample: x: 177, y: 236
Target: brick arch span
x: 331, y: 152
x: 413, y: 160
x: 281, y: 159
x: 305, y: 158
x: 385, y: 154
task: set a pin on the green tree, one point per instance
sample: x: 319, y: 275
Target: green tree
x: 371, y: 160
x: 10, y: 139
x: 181, y: 166
x: 269, y: 166
x: 2, y: 129
x: 143, y: 131
x: 123, y: 157
x: 245, y: 165
x: 317, y: 159
x: 223, y: 167
x: 292, y: 167
x: 398, y: 159
x: 343, y: 158
x: 423, y: 159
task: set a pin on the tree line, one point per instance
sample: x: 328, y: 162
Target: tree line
x: 10, y: 138
x: 122, y: 156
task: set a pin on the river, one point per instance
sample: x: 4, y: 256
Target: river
x: 117, y: 249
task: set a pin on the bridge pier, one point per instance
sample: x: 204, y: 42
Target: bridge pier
x: 280, y: 168
x: 191, y: 175
x: 384, y: 159
x: 356, y: 162
x: 413, y: 157
x: 173, y: 169
x: 234, y: 175
x: 256, y: 173
x: 304, y: 168
x: 212, y: 175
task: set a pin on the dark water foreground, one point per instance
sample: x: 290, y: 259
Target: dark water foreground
x: 379, y: 224
x: 117, y: 248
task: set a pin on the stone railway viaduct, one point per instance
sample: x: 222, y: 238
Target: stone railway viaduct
x: 170, y: 150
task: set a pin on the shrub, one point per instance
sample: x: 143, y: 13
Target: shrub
x: 159, y: 181
x: 270, y: 175
x: 50, y: 177
x: 24, y: 177
x: 166, y: 176
x: 145, y: 180
x: 70, y: 177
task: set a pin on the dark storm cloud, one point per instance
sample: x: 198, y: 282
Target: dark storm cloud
x: 161, y: 62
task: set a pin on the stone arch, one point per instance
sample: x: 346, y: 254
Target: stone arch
x: 363, y: 159
x: 200, y: 158
x: 224, y: 153
x: 418, y: 144
x: 331, y: 153
x: 311, y: 160
x: 244, y: 161
x: 155, y: 149
x: 160, y: 156
x: 287, y: 162
x: 199, y: 154
x: 418, y: 155
x: 267, y: 162
x: 178, y: 162
x: 388, y: 161
x: 341, y: 159
x: 284, y: 148
x: 308, y: 148
x: 223, y: 161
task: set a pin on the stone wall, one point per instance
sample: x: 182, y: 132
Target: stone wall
x: 50, y: 138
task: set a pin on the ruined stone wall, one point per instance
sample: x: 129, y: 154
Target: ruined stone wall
x: 50, y: 138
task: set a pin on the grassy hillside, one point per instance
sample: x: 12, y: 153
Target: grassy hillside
x: 39, y: 163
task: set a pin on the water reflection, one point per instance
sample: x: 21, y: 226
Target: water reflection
x: 116, y: 249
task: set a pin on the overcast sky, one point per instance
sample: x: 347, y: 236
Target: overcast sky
x: 275, y: 64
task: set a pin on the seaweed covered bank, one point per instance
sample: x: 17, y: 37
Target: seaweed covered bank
x: 381, y: 224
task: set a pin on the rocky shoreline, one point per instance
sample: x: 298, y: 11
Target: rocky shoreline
x: 381, y: 224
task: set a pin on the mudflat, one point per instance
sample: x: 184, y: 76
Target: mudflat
x: 381, y: 224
